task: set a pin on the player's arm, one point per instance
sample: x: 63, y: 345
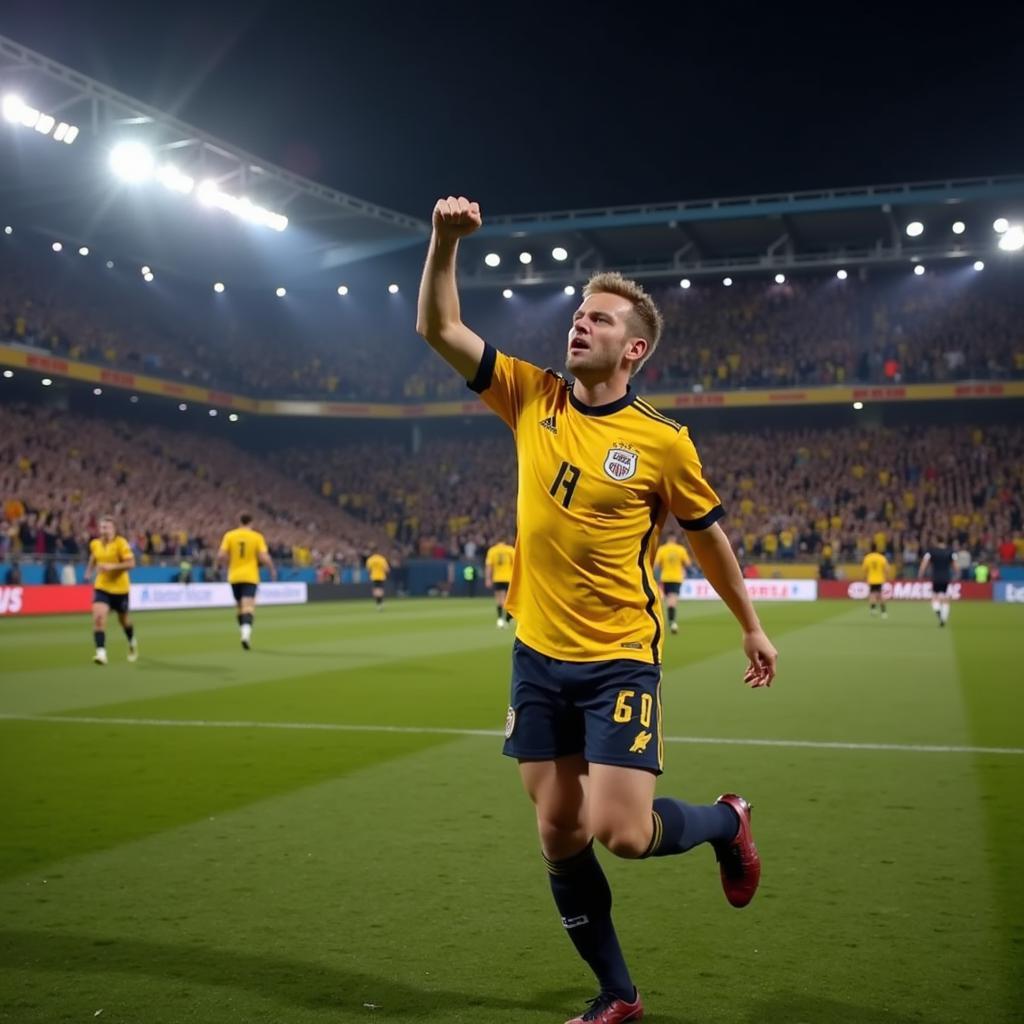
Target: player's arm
x: 265, y: 559
x: 715, y: 556
x: 438, y: 313
x: 924, y: 565
x: 488, y: 574
x: 90, y: 567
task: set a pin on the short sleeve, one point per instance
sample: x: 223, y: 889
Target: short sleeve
x: 224, y: 543
x: 92, y: 548
x: 262, y: 544
x: 125, y: 553
x: 506, y: 384
x: 690, y: 498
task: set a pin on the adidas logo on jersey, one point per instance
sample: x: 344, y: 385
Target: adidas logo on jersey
x: 549, y: 424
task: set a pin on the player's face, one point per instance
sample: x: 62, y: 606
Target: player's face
x: 600, y: 337
x: 107, y: 531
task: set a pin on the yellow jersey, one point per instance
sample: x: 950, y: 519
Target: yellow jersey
x: 672, y: 560
x: 596, y: 485
x: 378, y: 568
x: 118, y: 550
x: 243, y: 548
x: 876, y: 568
x: 499, y: 561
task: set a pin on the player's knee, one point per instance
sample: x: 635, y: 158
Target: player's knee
x: 561, y: 835
x: 623, y: 840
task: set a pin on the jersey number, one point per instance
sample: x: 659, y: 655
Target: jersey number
x: 568, y: 477
x: 241, y: 549
x: 624, y: 710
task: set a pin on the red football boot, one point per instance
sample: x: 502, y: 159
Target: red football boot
x: 606, y: 1009
x: 738, y: 860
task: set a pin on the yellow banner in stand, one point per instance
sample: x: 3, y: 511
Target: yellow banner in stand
x: 41, y: 362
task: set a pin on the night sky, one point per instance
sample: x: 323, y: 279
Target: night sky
x: 540, y: 106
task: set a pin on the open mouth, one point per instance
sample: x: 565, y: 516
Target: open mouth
x: 578, y: 345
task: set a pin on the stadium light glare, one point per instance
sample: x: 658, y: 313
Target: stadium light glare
x: 343, y: 290
x: 209, y: 194
x: 46, y: 382
x: 45, y: 124
x: 507, y: 293
x: 685, y: 283
x: 392, y: 289
x: 8, y: 230
x: 134, y: 399
x: 915, y: 228
x: 144, y: 271
x: 999, y: 225
x: 919, y: 269
x: 492, y: 259
x: 525, y: 258
x: 842, y: 274
x: 182, y: 407
x: 213, y: 412
x: 83, y: 250
x: 218, y: 287
x: 569, y: 290
x: 132, y: 162
x: 727, y: 281
x: 858, y: 406
x: 560, y: 253
x: 148, y: 278
x: 959, y: 227
x: 8, y: 374
x: 97, y: 391
x: 17, y: 111
x: 56, y: 247
x: 12, y: 108
x: 979, y: 264
x: 1013, y: 239
x: 110, y: 264
x: 281, y: 292
x: 780, y: 278
x: 233, y: 417
x: 174, y: 180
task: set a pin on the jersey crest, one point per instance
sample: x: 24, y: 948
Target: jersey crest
x: 620, y: 463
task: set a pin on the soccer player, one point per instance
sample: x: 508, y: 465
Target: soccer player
x: 600, y: 470
x: 110, y: 558
x: 245, y: 550
x: 876, y: 572
x: 942, y: 559
x: 378, y: 568
x: 498, y: 575
x: 672, y: 561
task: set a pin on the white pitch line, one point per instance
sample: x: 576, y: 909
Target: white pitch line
x: 909, y: 748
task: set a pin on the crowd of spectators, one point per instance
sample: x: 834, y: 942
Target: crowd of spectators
x: 889, y: 327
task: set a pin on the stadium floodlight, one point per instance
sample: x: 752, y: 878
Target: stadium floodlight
x: 858, y: 406
x: 12, y: 108
x: 174, y: 180
x: 343, y: 290
x: 727, y: 281
x: 46, y: 382
x: 132, y: 161
x: 218, y: 287
x: 213, y: 412
x: 134, y: 399
x: 392, y: 289
x: 209, y: 194
x: 915, y: 228
x: 182, y: 407
x: 1013, y: 239
x: 507, y: 293
x: 560, y: 253
x: 97, y: 391
x: 842, y: 274
x: 110, y: 264
x: 569, y: 290
x: 979, y: 264
x: 525, y: 258
x: 8, y: 374
x: 17, y: 111
x: 144, y: 271
x: 685, y: 283
x: 919, y: 269
x: 56, y: 247
x: 959, y: 227
x: 492, y: 259
x: 233, y: 417
x: 999, y: 225
x: 148, y: 278
x: 780, y: 278
x: 281, y: 292
x: 8, y: 230
x: 83, y: 250
x: 66, y: 133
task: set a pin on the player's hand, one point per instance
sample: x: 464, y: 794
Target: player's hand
x: 105, y: 567
x: 761, y: 659
x: 456, y: 217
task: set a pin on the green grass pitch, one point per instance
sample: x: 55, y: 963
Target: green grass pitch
x: 323, y: 830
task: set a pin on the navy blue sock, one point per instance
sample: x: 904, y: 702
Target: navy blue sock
x: 238, y: 618
x: 584, y: 900
x: 245, y: 619
x: 99, y: 638
x: 671, y: 614
x: 679, y: 826
x: 129, y: 631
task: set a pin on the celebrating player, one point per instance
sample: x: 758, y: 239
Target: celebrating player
x: 110, y: 558
x: 498, y: 575
x: 941, y: 556
x: 245, y: 550
x: 672, y: 561
x: 600, y: 470
x: 876, y: 571
x: 378, y: 567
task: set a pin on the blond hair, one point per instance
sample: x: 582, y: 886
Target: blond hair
x: 647, y: 320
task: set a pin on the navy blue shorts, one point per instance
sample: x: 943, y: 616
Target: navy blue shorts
x: 240, y: 590
x: 116, y: 602
x: 608, y: 711
x: 500, y: 588
x: 671, y: 588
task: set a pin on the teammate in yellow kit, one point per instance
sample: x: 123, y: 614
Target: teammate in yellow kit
x: 600, y: 471
x: 245, y: 550
x: 378, y: 568
x: 672, y: 561
x: 876, y: 570
x: 498, y: 575
x: 110, y: 558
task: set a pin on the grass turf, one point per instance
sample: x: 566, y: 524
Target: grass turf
x: 234, y: 872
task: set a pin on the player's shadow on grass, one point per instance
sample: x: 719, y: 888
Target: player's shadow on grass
x: 296, y: 983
